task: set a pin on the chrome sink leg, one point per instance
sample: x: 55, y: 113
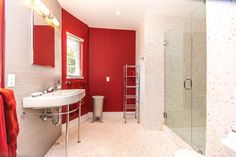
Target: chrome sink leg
x: 79, y: 122
x: 67, y: 135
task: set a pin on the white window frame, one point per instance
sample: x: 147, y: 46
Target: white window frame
x: 80, y: 40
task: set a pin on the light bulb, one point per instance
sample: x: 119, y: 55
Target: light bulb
x: 55, y: 22
x: 118, y: 13
x: 41, y: 8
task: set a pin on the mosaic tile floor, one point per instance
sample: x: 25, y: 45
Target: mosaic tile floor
x: 113, y: 138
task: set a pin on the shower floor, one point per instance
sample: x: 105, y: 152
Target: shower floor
x: 116, y: 139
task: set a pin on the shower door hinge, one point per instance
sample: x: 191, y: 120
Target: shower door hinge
x: 165, y: 115
x: 165, y: 42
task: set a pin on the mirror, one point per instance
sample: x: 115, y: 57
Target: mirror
x: 43, y: 41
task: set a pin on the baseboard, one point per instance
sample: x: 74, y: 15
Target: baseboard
x: 108, y: 114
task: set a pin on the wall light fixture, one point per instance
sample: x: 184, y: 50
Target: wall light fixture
x: 43, y: 11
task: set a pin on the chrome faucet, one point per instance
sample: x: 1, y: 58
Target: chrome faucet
x: 55, y: 87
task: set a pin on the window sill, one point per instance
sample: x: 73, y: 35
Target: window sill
x: 74, y: 77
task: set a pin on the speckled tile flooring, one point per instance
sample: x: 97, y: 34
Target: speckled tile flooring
x: 113, y: 138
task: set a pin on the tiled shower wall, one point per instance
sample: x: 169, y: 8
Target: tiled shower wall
x: 36, y: 136
x: 221, y: 74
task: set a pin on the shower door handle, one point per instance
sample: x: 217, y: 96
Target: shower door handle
x: 188, y: 84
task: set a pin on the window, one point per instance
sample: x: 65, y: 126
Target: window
x: 74, y: 56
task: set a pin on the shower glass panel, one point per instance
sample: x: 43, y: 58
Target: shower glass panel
x: 185, y: 79
x: 177, y: 69
x: 199, y: 79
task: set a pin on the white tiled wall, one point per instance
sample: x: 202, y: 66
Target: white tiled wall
x: 221, y: 74
x: 35, y: 136
x: 150, y: 46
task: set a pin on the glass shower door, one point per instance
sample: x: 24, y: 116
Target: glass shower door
x: 178, y: 79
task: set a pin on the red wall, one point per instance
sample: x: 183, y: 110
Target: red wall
x: 109, y: 51
x: 105, y: 52
x: 2, y: 41
x: 76, y: 27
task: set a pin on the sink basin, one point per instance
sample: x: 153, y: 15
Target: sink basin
x: 54, y: 99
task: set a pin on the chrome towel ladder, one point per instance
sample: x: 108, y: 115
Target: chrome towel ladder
x: 131, y: 102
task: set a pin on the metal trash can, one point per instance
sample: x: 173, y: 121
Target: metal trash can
x: 97, y: 108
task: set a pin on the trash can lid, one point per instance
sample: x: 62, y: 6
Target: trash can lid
x: 98, y: 97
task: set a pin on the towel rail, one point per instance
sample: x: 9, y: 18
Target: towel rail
x: 49, y: 114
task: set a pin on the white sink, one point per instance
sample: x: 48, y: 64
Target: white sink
x: 54, y: 99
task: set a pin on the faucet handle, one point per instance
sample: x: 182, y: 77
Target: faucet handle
x: 68, y: 82
x: 58, y: 87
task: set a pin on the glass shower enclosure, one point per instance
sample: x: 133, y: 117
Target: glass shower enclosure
x: 185, y: 79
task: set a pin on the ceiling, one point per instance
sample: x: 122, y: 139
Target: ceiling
x: 105, y: 13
